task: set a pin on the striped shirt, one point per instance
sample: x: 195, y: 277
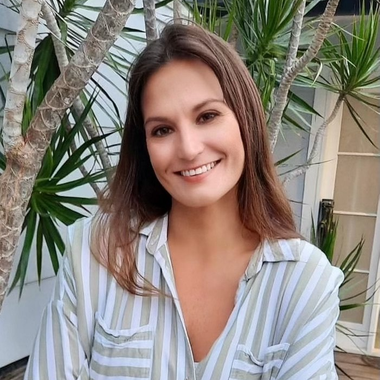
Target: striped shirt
x: 282, y: 325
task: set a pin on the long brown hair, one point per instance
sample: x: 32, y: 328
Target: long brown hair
x: 136, y: 197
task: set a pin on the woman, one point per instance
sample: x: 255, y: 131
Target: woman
x: 195, y: 269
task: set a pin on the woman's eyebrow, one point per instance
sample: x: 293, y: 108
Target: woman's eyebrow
x: 160, y: 119
x: 197, y: 107
x: 205, y: 102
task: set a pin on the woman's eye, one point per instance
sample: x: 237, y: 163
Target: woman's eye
x: 207, y: 116
x: 161, y: 131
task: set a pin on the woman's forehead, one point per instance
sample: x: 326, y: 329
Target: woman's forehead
x: 183, y: 84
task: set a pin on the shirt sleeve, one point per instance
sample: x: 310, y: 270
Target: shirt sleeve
x: 58, y: 351
x: 311, y: 355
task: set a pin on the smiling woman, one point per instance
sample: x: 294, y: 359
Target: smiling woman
x: 198, y: 129
x: 192, y: 268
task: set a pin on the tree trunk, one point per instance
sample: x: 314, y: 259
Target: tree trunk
x: 25, y: 157
x: 150, y: 20
x: 177, y: 15
x: 294, y: 67
x: 19, y: 75
x: 234, y: 36
x: 12, y: 134
x: 317, y: 143
x: 78, y: 106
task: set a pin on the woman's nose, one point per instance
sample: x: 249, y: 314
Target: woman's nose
x: 189, y: 143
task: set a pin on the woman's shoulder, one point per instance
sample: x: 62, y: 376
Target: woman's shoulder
x: 307, y: 276
x: 302, y: 254
x: 78, y: 248
x: 312, y: 255
x: 299, y: 249
x: 79, y: 234
x: 311, y: 259
x: 86, y: 232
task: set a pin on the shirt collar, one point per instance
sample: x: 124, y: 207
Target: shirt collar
x: 271, y: 251
x: 157, y: 234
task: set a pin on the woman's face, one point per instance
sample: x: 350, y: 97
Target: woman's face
x: 192, y: 136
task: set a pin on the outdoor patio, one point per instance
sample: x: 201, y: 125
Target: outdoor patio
x: 358, y: 367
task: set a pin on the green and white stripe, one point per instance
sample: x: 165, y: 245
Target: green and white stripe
x: 282, y: 326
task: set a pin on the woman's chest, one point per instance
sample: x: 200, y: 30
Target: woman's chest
x: 147, y: 338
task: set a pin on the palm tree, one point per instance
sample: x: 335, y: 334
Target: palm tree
x: 24, y: 153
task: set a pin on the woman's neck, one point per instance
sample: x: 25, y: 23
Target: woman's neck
x: 210, y: 231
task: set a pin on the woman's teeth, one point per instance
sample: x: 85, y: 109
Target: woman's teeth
x: 197, y: 171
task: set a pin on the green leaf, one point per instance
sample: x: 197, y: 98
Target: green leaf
x: 6, y: 49
x: 78, y: 201
x: 74, y: 184
x: 66, y: 215
x: 50, y: 244
x: 45, y: 71
x: 74, y: 162
x: 302, y: 105
x: 39, y: 246
x: 2, y: 161
x: 290, y: 121
x: 287, y: 158
x: 53, y: 232
x: 47, y: 164
x: 351, y: 306
x: 359, y: 122
x: 311, y: 5
x: 35, y: 205
x: 313, y: 232
x: 61, y: 149
x: 25, y: 253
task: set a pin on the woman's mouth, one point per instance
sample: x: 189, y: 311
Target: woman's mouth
x: 199, y: 170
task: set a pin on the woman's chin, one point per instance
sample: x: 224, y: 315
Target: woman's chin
x: 202, y: 201
x: 194, y: 202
